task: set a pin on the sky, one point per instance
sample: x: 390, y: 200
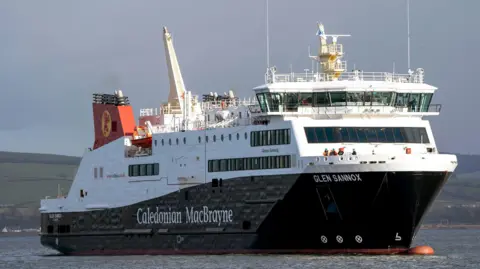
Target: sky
x: 55, y: 54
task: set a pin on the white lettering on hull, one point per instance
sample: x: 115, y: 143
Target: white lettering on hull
x: 204, y: 215
x: 337, y: 178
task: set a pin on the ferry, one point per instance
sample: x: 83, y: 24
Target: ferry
x: 325, y: 161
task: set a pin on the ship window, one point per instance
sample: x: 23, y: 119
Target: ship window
x: 170, y: 141
x: 230, y: 137
x: 238, y: 136
x: 425, y: 101
x: 253, y: 163
x: 206, y: 139
x: 262, y: 102
x: 143, y: 170
x: 246, y: 136
x: 389, y: 134
x: 163, y: 142
x: 184, y: 140
x: 338, y: 98
x: 269, y: 137
x: 414, y: 102
x: 151, y: 169
x: 214, y: 138
x: 382, y: 138
x: 156, y: 169
x: 214, y: 182
x: 355, y: 98
x: 199, y: 139
x: 155, y: 141
x: 239, y: 114
x: 402, y: 99
x: 177, y: 140
x: 221, y: 137
x: 50, y: 229
x: 81, y: 193
x: 95, y: 172
x: 367, y: 135
x: 320, y: 99
x: 382, y: 98
x: 101, y: 171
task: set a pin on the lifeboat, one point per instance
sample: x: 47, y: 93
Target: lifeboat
x: 142, y: 137
x: 145, y: 142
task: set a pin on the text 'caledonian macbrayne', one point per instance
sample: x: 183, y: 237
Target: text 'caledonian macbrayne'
x: 202, y: 216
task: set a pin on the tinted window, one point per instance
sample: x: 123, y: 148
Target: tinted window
x: 366, y: 135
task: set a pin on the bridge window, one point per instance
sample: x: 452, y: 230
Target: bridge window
x: 321, y: 99
x: 425, y: 100
x: 150, y: 169
x: 338, y: 98
x: 366, y: 135
x: 253, y: 163
x: 262, y: 102
x: 269, y: 137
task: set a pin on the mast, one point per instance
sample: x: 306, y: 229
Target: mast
x: 329, y: 55
x: 268, y: 39
x: 408, y: 34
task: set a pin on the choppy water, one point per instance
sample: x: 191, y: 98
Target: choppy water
x: 454, y: 249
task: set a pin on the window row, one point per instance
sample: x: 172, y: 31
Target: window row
x: 289, y: 102
x: 366, y: 135
x: 214, y: 138
x: 270, y: 137
x: 150, y: 169
x: 253, y: 163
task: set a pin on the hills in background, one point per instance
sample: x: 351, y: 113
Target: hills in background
x: 26, y: 178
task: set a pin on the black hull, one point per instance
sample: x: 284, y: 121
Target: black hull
x: 370, y: 212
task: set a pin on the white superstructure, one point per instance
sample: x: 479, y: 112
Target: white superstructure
x: 374, y: 118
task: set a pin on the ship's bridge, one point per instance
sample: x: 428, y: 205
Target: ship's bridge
x: 334, y: 93
x: 355, y: 93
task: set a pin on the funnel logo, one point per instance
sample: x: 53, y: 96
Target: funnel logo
x: 106, y: 123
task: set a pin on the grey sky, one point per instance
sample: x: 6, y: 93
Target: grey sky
x: 55, y: 54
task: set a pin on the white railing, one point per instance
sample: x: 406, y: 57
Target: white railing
x: 414, y: 77
x: 148, y: 112
x: 332, y: 49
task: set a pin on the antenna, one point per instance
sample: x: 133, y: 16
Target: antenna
x: 268, y: 41
x: 408, y: 34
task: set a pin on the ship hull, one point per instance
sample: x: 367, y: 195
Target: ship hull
x: 358, y: 213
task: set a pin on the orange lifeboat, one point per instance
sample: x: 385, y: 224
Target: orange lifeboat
x: 141, y: 137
